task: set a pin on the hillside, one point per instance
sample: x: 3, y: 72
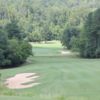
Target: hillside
x: 43, y: 18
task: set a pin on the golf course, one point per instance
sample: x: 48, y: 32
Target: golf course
x: 49, y: 49
x: 61, y: 76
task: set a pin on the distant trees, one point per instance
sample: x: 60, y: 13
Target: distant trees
x: 13, y: 49
x: 34, y: 37
x: 43, y: 20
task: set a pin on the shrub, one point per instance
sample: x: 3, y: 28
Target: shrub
x: 68, y: 34
x: 90, y: 38
x: 13, y: 51
x: 18, y: 52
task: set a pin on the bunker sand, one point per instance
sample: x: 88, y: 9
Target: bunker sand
x: 22, y: 80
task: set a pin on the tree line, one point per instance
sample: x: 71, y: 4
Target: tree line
x: 43, y: 20
x: 87, y: 39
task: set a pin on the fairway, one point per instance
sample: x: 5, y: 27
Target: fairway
x: 61, y: 77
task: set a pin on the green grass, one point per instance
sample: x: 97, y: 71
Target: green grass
x: 61, y: 77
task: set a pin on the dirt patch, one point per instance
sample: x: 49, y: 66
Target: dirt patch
x: 22, y: 80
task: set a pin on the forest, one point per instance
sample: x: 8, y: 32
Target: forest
x: 42, y: 20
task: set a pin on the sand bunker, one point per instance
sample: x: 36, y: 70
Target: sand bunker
x: 65, y: 52
x: 23, y: 80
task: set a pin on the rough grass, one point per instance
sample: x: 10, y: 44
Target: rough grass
x: 61, y: 77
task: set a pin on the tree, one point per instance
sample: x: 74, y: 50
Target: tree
x: 34, y: 37
x: 90, y: 39
x: 68, y: 34
x: 18, y: 52
x: 14, y: 30
x: 47, y: 34
x: 3, y: 48
x: 13, y: 51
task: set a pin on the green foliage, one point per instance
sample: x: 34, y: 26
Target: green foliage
x: 3, y: 37
x: 18, y: 51
x: 90, y: 39
x: 47, y: 35
x: 3, y: 47
x: 53, y: 15
x: 14, y: 30
x: 13, y: 52
x: 34, y: 37
x: 69, y: 37
x: 75, y: 43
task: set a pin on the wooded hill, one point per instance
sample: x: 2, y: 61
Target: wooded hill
x: 46, y: 19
